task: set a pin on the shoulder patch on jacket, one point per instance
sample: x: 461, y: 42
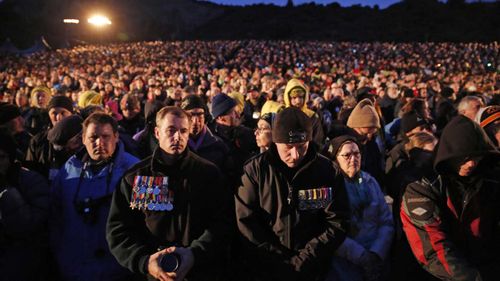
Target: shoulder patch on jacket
x: 419, y: 208
x: 420, y: 199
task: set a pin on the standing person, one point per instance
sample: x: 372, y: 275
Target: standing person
x: 201, y: 139
x: 364, y: 253
x: 132, y: 121
x: 24, y: 209
x: 253, y: 106
x: 445, y: 109
x: 41, y: 155
x: 451, y: 219
x: 297, y: 95
x: 489, y: 119
x: 37, y: 119
x: 469, y: 106
x: 171, y: 202
x: 365, y: 122
x: 263, y: 135
x: 239, y: 139
x: 419, y: 150
x: 411, y: 123
x: 12, y: 123
x: 81, y: 195
x: 289, y: 225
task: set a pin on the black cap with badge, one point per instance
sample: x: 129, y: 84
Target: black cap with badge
x: 292, y: 126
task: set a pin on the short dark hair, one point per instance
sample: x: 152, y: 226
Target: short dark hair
x: 101, y: 119
x: 174, y: 110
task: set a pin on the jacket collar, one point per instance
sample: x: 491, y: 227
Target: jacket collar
x: 275, y: 160
x: 159, y: 166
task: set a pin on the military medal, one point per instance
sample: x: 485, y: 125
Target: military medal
x: 133, y: 205
x: 156, y: 190
x: 151, y: 206
x: 169, y: 206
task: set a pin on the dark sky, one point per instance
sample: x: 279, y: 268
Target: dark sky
x: 345, y: 3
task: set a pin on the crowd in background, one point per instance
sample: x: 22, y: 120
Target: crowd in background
x: 390, y: 97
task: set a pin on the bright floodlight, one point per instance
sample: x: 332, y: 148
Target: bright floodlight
x: 99, y: 20
x: 75, y: 21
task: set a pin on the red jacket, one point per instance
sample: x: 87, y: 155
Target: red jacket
x: 452, y: 223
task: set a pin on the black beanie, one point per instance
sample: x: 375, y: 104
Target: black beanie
x: 292, y: 126
x: 410, y: 121
x: 192, y: 101
x: 60, y: 101
x: 150, y: 110
x: 65, y: 129
x: 446, y: 92
x: 8, y: 112
x: 336, y: 144
x: 221, y: 104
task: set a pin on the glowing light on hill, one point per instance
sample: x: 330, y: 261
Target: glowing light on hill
x: 99, y: 20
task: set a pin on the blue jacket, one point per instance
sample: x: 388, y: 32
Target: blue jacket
x: 80, y: 247
x: 372, y: 228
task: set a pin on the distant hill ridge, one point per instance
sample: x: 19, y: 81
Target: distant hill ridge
x: 133, y: 20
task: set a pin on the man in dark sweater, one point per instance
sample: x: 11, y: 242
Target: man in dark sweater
x: 172, y: 202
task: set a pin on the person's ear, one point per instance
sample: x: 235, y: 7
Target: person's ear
x: 157, y: 133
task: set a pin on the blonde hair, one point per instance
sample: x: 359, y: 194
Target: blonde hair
x: 34, y: 100
x: 419, y: 140
x: 89, y: 98
x: 174, y: 110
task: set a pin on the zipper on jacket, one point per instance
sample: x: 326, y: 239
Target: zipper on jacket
x: 289, y: 219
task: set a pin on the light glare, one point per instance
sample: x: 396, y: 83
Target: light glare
x: 99, y: 20
x: 75, y: 21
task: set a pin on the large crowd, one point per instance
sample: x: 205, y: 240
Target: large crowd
x: 293, y: 161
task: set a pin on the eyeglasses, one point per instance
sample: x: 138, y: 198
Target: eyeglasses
x: 349, y: 155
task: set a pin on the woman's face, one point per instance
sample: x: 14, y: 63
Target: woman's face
x: 349, y: 159
x: 263, y: 134
x: 21, y: 100
x: 41, y: 98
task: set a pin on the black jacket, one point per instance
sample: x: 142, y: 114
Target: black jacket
x: 419, y: 165
x: 24, y: 209
x: 452, y: 222
x: 242, y: 145
x: 43, y: 158
x: 201, y: 217
x: 132, y: 126
x: 211, y: 148
x: 444, y: 112
x: 292, y: 220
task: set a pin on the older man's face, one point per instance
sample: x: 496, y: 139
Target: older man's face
x: 292, y: 154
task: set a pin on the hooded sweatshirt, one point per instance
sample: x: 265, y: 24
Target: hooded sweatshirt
x: 318, y: 134
x: 452, y: 222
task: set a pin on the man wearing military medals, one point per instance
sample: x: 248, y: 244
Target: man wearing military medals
x: 171, y: 203
x: 292, y: 206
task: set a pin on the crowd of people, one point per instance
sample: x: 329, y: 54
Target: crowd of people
x: 251, y: 160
